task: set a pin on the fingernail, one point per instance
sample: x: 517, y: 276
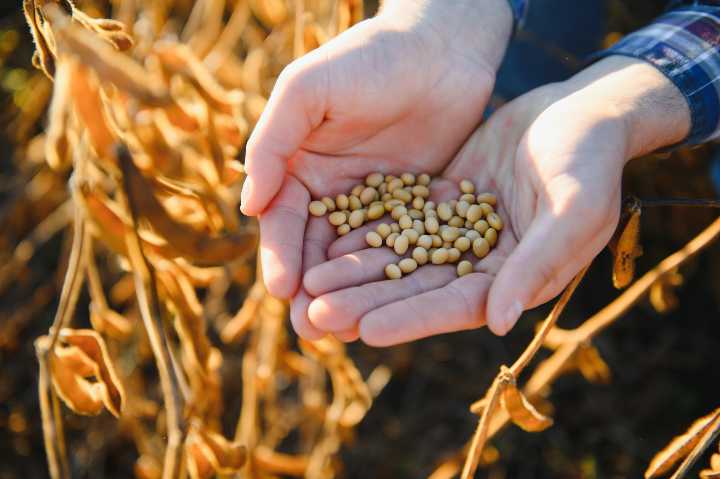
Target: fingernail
x: 512, y: 315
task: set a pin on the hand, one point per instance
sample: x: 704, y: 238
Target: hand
x: 554, y: 157
x: 398, y: 92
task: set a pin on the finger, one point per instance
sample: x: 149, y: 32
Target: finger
x: 458, y: 306
x: 348, y: 336
x: 282, y: 227
x: 361, y: 267
x: 553, y: 250
x: 341, y: 310
x: 294, y: 109
x: 317, y: 236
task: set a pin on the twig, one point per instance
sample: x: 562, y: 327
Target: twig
x: 710, y: 435
x: 697, y: 202
x: 481, y: 433
x: 54, y: 449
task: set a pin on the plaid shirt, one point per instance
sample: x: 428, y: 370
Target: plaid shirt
x: 684, y: 44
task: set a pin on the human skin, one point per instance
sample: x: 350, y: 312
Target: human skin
x: 554, y: 157
x: 399, y: 92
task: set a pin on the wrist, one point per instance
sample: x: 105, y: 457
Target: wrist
x: 479, y: 30
x: 647, y: 106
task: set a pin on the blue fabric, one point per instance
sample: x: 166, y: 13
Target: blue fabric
x: 519, y: 8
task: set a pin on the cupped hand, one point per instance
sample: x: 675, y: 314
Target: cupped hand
x: 398, y: 92
x: 554, y: 158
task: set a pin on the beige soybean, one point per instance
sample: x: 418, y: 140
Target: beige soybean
x: 337, y: 218
x: 488, y: 198
x: 402, y: 243
x: 392, y: 203
x: 431, y: 225
x: 464, y: 267
x: 481, y: 226
x: 375, y: 211
x: 412, y: 235
x: 421, y: 191
x: 373, y: 239
x: 491, y: 236
x: 357, y: 218
x: 495, y: 221
x: 393, y: 271
x: 463, y: 244
x: 394, y: 184
x: 470, y: 199
x: 462, y: 208
x: 395, y: 228
x: 407, y: 265
x: 481, y: 247
x: 374, y: 179
x: 430, y: 214
x: 467, y: 186
x: 447, y: 244
x: 342, y: 230
x: 429, y: 205
x: 357, y: 189
x: 382, y: 190
x: 405, y: 222
x: 398, y: 212
x: 487, y: 209
x: 425, y: 241
x: 402, y: 195
x: 342, y: 202
x: 423, y: 179
x: 439, y: 256
x: 453, y: 255
x: 317, y: 208
x: 444, y: 211
x: 474, y: 213
x: 419, y: 226
x: 472, y: 235
x: 456, y: 222
x: 384, y: 230
x: 450, y: 234
x: 418, y: 203
x: 368, y: 195
x: 468, y: 224
x: 408, y: 179
x: 420, y: 255
x: 390, y: 240
x: 436, y: 241
x: 416, y: 214
x: 355, y: 203
x: 329, y: 203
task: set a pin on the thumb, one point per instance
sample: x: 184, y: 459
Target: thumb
x: 559, y: 243
x: 296, y: 106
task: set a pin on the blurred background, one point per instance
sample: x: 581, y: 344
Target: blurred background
x: 663, y: 364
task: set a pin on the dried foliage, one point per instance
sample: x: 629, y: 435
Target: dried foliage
x: 148, y: 113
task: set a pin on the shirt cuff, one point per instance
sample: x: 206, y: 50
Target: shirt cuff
x: 519, y: 9
x: 684, y: 45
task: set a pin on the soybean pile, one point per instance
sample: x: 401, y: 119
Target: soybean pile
x: 440, y: 233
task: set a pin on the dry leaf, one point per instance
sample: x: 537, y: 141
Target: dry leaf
x: 591, y: 365
x: 625, y: 245
x: 521, y: 411
x: 680, y: 446
x: 662, y: 293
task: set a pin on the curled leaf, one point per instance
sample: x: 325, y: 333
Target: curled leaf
x: 591, y: 365
x: 680, y: 446
x: 662, y: 293
x: 625, y: 245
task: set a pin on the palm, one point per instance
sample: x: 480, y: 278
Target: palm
x: 538, y: 186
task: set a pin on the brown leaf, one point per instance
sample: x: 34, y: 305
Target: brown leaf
x: 521, y: 411
x: 625, y: 246
x: 591, y: 365
x: 680, y: 446
x: 662, y: 292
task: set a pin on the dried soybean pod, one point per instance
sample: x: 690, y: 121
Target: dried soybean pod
x: 374, y: 179
x: 405, y: 222
x: 444, y: 211
x: 384, y: 230
x: 481, y: 226
x: 453, y: 255
x: 344, y: 229
x: 418, y: 203
x: 495, y: 221
x: 342, y: 202
x: 357, y: 218
x: 393, y: 271
x: 412, y: 235
x: 402, y: 195
x: 407, y: 265
x: 488, y: 198
x: 337, y: 218
x: 368, y: 195
x: 375, y: 211
x: 467, y: 186
x: 469, y: 198
x: 462, y: 209
x: 425, y: 241
x: 398, y: 212
x: 402, y: 243
x: 355, y: 203
x: 481, y: 247
x: 439, y: 256
x: 625, y: 245
x: 474, y: 213
x: 420, y: 255
x: 423, y: 179
x: 408, y: 179
x: 373, y: 239
x: 462, y: 244
x: 431, y: 225
x: 357, y: 189
x: 317, y: 208
x: 491, y: 236
x: 521, y: 411
x: 464, y: 267
x: 456, y: 222
x: 395, y: 228
x: 390, y: 240
x: 329, y: 203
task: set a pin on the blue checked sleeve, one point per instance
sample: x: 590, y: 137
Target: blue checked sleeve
x: 519, y: 9
x: 684, y: 44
